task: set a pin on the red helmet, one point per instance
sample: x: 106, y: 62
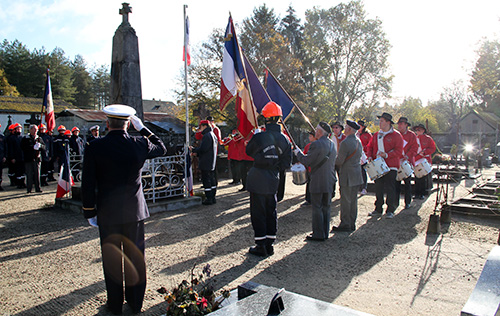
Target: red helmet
x: 42, y: 126
x: 67, y: 133
x: 272, y: 109
x: 61, y: 127
x: 75, y: 129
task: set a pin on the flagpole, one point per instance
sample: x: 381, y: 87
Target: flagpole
x: 295, y: 104
x: 186, y: 145
x: 43, y: 105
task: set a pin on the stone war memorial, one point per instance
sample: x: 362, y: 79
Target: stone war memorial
x: 438, y: 257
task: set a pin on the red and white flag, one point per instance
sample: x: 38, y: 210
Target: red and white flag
x: 48, y: 105
x: 186, y: 54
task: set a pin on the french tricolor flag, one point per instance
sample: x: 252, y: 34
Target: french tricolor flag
x: 234, y: 83
x: 186, y: 54
x: 48, y: 105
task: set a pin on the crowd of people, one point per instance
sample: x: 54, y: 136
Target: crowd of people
x: 340, y: 152
x: 33, y: 158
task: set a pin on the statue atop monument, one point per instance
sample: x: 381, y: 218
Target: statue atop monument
x: 125, y: 67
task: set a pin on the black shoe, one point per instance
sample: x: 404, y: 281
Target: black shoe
x: 207, y: 202
x: 39, y: 191
x: 242, y: 189
x: 258, y: 250
x: 114, y: 310
x: 306, y: 203
x: 270, y: 250
x: 29, y: 191
x: 311, y: 238
x: 341, y: 229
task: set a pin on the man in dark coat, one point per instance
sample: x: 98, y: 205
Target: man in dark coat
x: 60, y: 146
x: 207, y: 153
x: 321, y: 158
x: 15, y: 157
x: 32, y: 145
x: 272, y: 154
x: 76, y: 143
x: 112, y: 191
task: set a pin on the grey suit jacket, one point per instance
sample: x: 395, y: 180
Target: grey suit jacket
x: 322, y: 178
x: 350, y: 169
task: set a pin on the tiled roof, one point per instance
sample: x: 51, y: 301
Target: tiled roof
x: 29, y: 105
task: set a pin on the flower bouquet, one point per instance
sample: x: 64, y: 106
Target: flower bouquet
x: 193, y: 298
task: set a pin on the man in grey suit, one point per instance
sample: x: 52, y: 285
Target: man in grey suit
x: 321, y: 159
x: 350, y: 178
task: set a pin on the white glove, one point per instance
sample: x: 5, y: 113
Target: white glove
x: 36, y: 146
x: 296, y: 151
x: 138, y: 125
x: 93, y: 221
x: 257, y: 131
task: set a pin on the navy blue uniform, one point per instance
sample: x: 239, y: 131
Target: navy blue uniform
x: 272, y: 154
x: 60, y: 145
x: 76, y: 145
x: 112, y: 190
x: 15, y: 160
x: 46, y: 169
x: 207, y: 153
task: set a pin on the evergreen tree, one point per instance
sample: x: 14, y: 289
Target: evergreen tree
x: 82, y: 82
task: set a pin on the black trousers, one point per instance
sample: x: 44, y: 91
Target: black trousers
x: 422, y: 186
x: 244, y: 167
x: 235, y: 172
x: 386, y: 185
x: 263, y: 214
x: 124, y: 244
x: 281, y: 186
x: 209, y: 182
x: 407, y: 188
x: 365, y: 177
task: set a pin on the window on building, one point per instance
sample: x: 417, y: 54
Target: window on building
x: 156, y: 108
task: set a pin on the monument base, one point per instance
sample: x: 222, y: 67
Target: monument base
x: 257, y: 299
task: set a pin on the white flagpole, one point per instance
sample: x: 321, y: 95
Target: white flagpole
x: 186, y: 146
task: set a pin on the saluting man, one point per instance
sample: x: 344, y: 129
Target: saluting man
x: 112, y: 196
x: 350, y: 178
x: 387, y: 143
x: 272, y: 154
x: 321, y: 159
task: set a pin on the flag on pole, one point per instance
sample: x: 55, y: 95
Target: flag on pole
x: 259, y: 95
x: 234, y: 83
x: 65, y: 179
x: 186, y: 54
x: 278, y: 94
x: 233, y: 72
x: 48, y: 105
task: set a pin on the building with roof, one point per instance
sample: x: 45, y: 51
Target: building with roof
x: 25, y: 111
x: 479, y: 129
x: 169, y: 128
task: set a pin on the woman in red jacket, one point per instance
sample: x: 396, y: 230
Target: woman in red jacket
x: 426, y: 147
x: 387, y: 144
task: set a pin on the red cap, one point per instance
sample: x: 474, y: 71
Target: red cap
x: 204, y: 122
x: 61, y: 127
x: 67, y: 132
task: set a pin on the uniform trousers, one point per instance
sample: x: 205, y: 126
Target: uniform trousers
x: 124, y: 243
x: 386, y: 185
x: 32, y: 170
x: 245, y: 166
x: 16, y: 173
x: 321, y: 203
x: 407, y: 188
x: 348, y: 206
x: 263, y: 214
x: 422, y: 186
x: 365, y: 178
x: 235, y: 172
x: 209, y: 182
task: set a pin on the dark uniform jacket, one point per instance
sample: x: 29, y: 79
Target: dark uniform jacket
x: 207, y: 151
x: 112, y: 165
x: 60, y: 145
x: 272, y: 153
x: 76, y: 144
x: 47, y: 153
x: 27, y: 145
x: 13, y: 144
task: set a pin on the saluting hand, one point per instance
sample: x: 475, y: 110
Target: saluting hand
x: 138, y: 125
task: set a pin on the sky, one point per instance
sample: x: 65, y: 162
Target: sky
x: 434, y: 43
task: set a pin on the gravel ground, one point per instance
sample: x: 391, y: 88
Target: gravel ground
x: 50, y: 259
